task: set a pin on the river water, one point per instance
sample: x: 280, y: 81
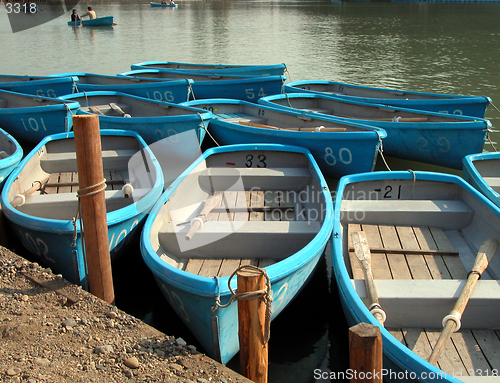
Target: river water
x: 447, y: 48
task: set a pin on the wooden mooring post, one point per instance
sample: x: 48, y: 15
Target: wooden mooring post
x: 365, y: 353
x: 252, y: 326
x: 93, y: 205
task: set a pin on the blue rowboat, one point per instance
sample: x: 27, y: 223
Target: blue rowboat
x: 440, y: 222
x: 254, y: 70
x: 105, y: 21
x: 433, y: 102
x: 482, y: 170
x: 161, y: 5
x: 416, y: 135
x: 10, y: 155
x: 256, y: 218
x: 238, y: 87
x: 155, y: 89
x: 39, y: 199
x: 153, y: 120
x: 37, y: 85
x: 30, y: 118
x: 340, y: 147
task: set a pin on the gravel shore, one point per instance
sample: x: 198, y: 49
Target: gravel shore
x: 53, y: 331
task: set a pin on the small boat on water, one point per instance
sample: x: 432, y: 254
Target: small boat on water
x: 419, y: 234
x: 254, y: 70
x: 340, y: 147
x: 30, y: 118
x: 10, y: 155
x: 434, y: 102
x: 161, y: 5
x: 153, y: 120
x: 155, y: 89
x: 416, y: 135
x: 238, y: 87
x: 262, y: 205
x: 104, y: 21
x: 40, y: 200
x: 37, y: 85
x: 482, y: 170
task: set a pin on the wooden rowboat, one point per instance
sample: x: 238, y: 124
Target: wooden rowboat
x: 434, y: 102
x: 161, y: 5
x: 482, y: 170
x: 155, y: 89
x: 238, y: 87
x: 262, y: 205
x: 105, y: 21
x: 38, y: 85
x: 424, y: 231
x: 254, y: 70
x: 153, y: 120
x: 416, y: 135
x: 30, y: 118
x: 10, y: 155
x: 40, y: 201
x: 340, y: 147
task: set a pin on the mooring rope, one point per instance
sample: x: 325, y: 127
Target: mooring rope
x: 205, y: 127
x: 266, y: 294
x: 190, y: 90
x: 413, y: 185
x: 381, y: 150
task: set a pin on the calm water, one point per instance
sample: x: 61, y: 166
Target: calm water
x: 449, y: 48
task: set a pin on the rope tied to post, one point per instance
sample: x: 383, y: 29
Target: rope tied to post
x: 265, y: 294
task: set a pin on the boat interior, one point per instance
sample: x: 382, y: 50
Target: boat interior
x: 9, y: 100
x: 260, y: 215
x: 423, y: 239
x: 48, y: 184
x: 489, y: 171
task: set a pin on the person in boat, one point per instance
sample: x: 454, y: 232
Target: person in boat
x: 90, y: 13
x: 172, y: 2
x: 74, y: 16
x: 164, y: 1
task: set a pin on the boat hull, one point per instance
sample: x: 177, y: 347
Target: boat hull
x: 57, y: 242
x: 38, y: 85
x: 434, y: 138
x: 105, y: 21
x: 40, y: 117
x: 337, y: 153
x: 194, y: 297
x: 364, y: 200
x: 11, y: 154
x: 481, y: 171
x: 160, y: 5
x: 156, y: 120
x: 434, y: 102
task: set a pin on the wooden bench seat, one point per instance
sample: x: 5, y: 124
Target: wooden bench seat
x: 107, y: 109
x: 266, y: 178
x: 237, y: 117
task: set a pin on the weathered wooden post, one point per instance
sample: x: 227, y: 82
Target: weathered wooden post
x: 252, y: 326
x: 365, y: 353
x: 93, y: 205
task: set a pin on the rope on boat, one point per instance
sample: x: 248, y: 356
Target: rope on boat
x: 75, y: 85
x: 287, y: 73
x: 265, y: 294
x: 414, y: 179
x: 190, y: 90
x: 381, y: 150
x: 206, y: 130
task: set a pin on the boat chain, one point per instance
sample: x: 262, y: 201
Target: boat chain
x: 266, y: 294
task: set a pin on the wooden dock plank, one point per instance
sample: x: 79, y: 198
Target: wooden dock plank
x: 397, y: 262
x: 416, y: 262
x: 380, y: 265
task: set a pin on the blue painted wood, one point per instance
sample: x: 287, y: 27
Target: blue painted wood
x: 434, y: 102
x: 38, y: 85
x: 474, y: 174
x: 160, y: 5
x: 30, y: 118
x: 155, y: 89
x: 172, y: 66
x: 105, y: 21
x: 193, y: 296
x: 401, y: 362
x: 51, y: 240
x: 153, y: 120
x: 435, y: 138
x: 238, y: 87
x: 10, y: 155
x: 337, y: 153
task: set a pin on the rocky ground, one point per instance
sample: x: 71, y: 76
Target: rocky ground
x: 53, y: 331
